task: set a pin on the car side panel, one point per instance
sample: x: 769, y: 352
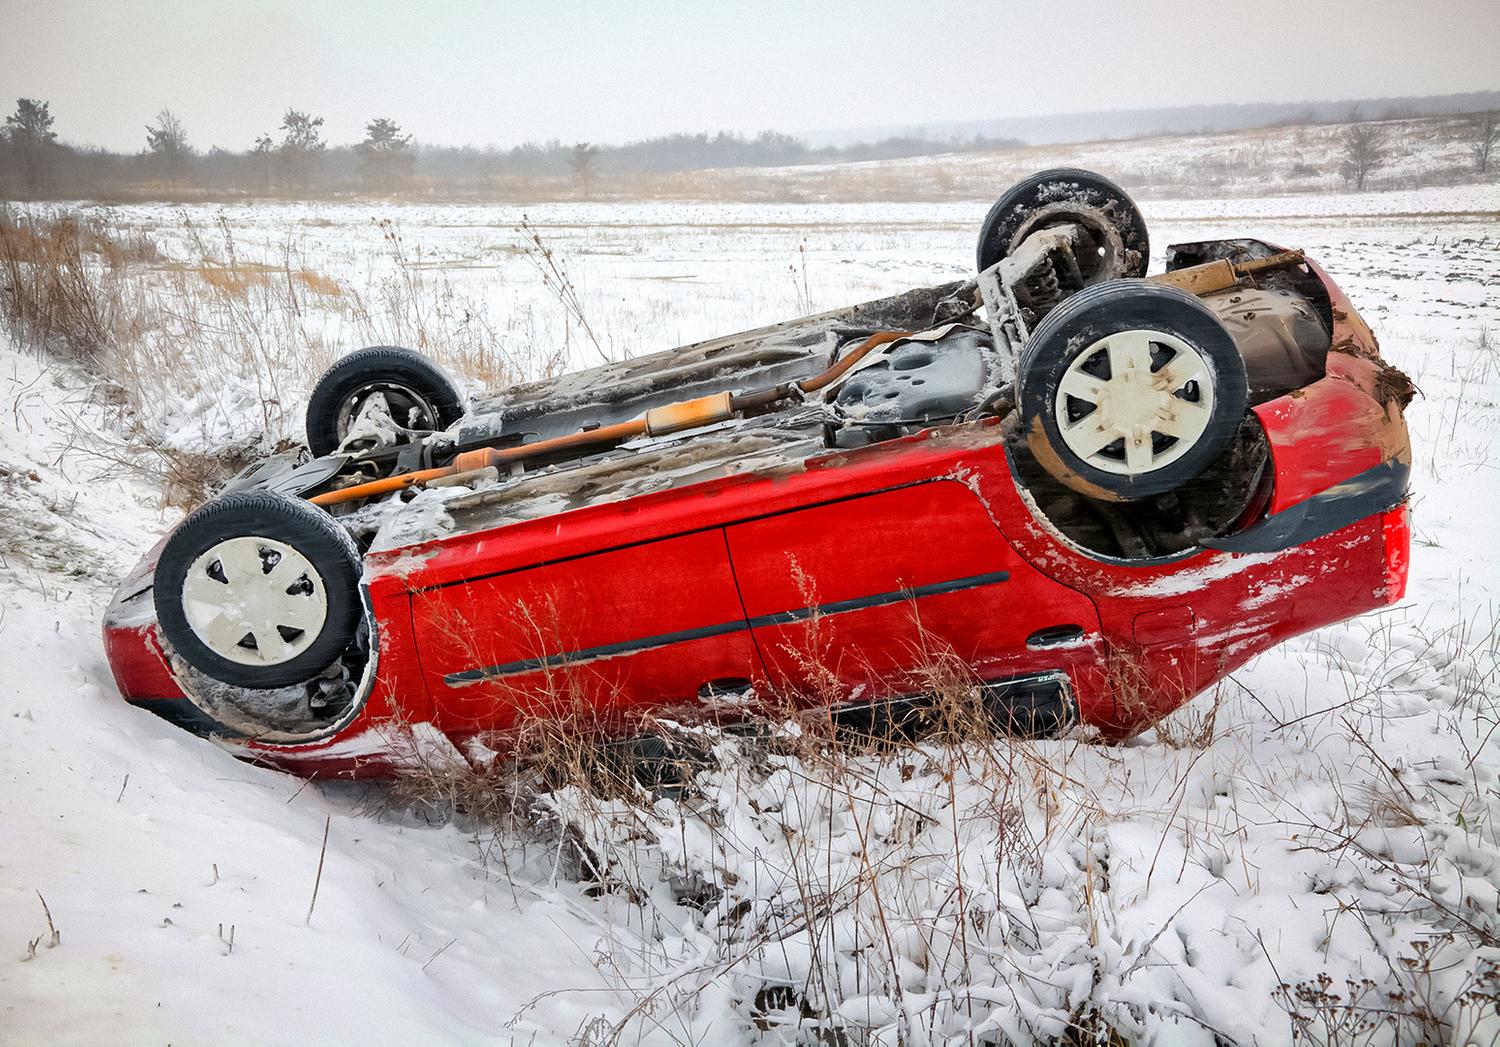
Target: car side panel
x: 902, y: 582
x: 643, y: 625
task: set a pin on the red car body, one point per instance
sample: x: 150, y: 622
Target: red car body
x: 856, y: 567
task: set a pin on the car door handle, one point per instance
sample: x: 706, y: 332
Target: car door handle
x: 1054, y: 636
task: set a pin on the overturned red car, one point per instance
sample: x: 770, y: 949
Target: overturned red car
x: 1099, y: 491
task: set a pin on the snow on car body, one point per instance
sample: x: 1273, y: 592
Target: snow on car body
x: 819, y: 509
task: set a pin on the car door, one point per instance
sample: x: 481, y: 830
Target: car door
x: 645, y: 625
x: 871, y: 591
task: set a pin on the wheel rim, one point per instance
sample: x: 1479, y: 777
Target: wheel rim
x: 1100, y: 255
x: 1135, y: 401
x: 255, y: 601
x: 408, y: 408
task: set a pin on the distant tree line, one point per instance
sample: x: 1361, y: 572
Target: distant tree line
x: 294, y: 160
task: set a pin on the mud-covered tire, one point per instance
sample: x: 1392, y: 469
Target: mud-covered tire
x: 1145, y: 364
x: 1062, y: 195
x: 305, y: 601
x: 434, y: 401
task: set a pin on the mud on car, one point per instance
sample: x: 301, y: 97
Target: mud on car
x: 1100, y: 490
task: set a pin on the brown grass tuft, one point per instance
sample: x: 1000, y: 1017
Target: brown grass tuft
x: 319, y: 284
x: 60, y: 280
x: 234, y: 281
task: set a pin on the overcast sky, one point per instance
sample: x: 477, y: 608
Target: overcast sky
x: 461, y: 71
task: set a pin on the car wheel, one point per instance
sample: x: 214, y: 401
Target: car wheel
x: 420, y: 396
x: 1130, y: 389
x: 1109, y: 218
x: 258, y: 590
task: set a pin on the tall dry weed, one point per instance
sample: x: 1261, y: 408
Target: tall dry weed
x: 62, y: 280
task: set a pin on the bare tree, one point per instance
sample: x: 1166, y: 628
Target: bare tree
x: 386, y: 152
x: 584, y: 163
x: 167, y: 145
x: 1486, y: 130
x: 301, y: 145
x: 29, y: 132
x: 1365, y: 149
x: 264, y: 151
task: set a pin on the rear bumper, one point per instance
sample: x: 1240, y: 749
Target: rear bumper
x: 1340, y: 451
x: 1379, y: 489
x: 139, y: 665
x: 131, y: 643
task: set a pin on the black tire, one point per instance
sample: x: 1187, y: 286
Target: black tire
x: 288, y: 521
x: 335, y: 399
x: 1069, y: 194
x: 1074, y: 329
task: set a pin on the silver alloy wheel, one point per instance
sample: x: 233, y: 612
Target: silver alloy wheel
x: 255, y: 601
x: 1136, y: 404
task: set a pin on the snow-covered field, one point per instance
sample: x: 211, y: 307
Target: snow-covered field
x: 1298, y: 158
x: 1335, y: 814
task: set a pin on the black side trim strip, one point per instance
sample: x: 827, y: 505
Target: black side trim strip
x: 182, y: 713
x: 1375, y: 490
x: 798, y: 614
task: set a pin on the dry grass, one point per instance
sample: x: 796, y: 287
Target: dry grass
x: 860, y: 854
x: 416, y: 307
x: 62, y: 277
x: 234, y: 282
x: 207, y: 357
x: 319, y: 284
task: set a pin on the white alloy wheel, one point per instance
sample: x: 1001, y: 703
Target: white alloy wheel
x: 1138, y: 419
x: 254, y: 601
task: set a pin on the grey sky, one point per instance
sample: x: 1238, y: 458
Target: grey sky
x: 463, y: 71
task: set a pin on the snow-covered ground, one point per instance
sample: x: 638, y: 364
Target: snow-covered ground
x: 1339, y: 818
